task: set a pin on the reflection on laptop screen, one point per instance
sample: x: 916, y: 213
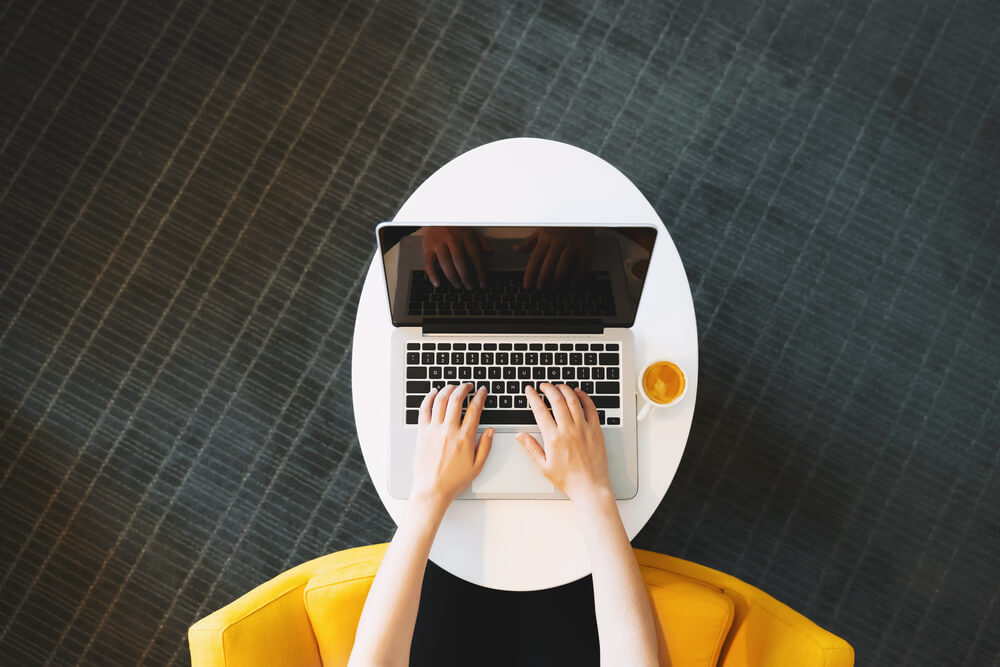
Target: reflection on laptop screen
x: 515, y: 278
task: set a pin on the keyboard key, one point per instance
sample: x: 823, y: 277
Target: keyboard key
x: 458, y: 346
x: 597, y: 347
x: 497, y: 387
x: 561, y: 359
x: 553, y: 373
x: 491, y: 402
x: 486, y: 358
x: 434, y: 373
x: 413, y: 346
x: 613, y: 373
x: 413, y: 357
x: 606, y: 401
x: 583, y: 373
x: 587, y: 387
x: 414, y: 401
x: 437, y: 384
x: 416, y: 373
x: 494, y: 372
x: 607, y: 387
x: 479, y: 372
x: 450, y: 373
x: 475, y: 346
x: 537, y: 373
x: 572, y: 385
x: 427, y: 358
x: 521, y: 401
x: 590, y: 358
x: 608, y: 358
x: 520, y: 346
x: 506, y: 416
x: 428, y: 346
x: 566, y: 346
x: 597, y: 373
x: 546, y: 358
x: 614, y: 421
x: 472, y: 358
x: 534, y: 346
x: 489, y: 346
x: 444, y: 346
x: 531, y: 358
x: 457, y: 358
x: 576, y: 358
x: 569, y: 373
x: 506, y: 401
x: 412, y: 416
x: 509, y: 372
x: 417, y: 387
x: 513, y: 388
x: 503, y: 358
x: 525, y: 385
x: 505, y: 346
x: 517, y: 358
x: 442, y: 358
x: 551, y: 346
x: 611, y: 346
x: 483, y: 384
x: 600, y: 416
x: 465, y: 373
x: 580, y: 346
x: 524, y: 373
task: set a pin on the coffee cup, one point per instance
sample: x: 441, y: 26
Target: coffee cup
x: 662, y: 384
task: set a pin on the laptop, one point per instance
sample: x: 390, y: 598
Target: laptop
x: 504, y: 306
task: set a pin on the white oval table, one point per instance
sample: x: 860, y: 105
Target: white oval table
x: 522, y: 545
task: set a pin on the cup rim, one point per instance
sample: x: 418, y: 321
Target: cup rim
x: 675, y: 400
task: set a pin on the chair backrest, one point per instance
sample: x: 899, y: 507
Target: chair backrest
x: 706, y: 616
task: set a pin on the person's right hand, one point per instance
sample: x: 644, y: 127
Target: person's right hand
x: 574, y: 458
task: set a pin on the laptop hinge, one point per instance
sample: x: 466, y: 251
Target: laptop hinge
x: 512, y: 327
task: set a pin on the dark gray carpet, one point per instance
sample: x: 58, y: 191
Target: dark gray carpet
x: 187, y: 198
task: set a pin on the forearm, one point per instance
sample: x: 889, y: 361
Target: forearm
x: 386, y: 627
x: 624, y: 619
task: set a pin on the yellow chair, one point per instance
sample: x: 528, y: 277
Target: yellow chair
x: 308, y: 615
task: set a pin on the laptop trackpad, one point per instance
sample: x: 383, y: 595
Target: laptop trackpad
x: 509, y: 470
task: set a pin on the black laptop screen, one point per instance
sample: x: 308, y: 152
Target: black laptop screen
x: 509, y: 278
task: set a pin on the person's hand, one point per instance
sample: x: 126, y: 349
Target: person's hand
x: 447, y: 458
x: 454, y: 248
x: 574, y: 458
x: 559, y: 257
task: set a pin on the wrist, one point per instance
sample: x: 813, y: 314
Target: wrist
x: 596, y: 498
x: 427, y: 505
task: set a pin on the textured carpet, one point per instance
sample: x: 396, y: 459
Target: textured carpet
x: 187, y: 198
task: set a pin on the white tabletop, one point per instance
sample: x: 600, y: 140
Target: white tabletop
x: 523, y: 545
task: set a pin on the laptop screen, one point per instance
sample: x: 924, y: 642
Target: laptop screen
x: 515, y: 278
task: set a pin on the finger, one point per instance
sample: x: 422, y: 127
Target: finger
x: 549, y: 266
x: 476, y: 255
x: 472, y: 413
x: 431, y: 269
x: 444, y: 259
x: 533, y: 449
x: 567, y: 263
x: 458, y: 255
x: 534, y: 263
x: 441, y: 404
x: 589, y: 409
x: 454, y: 414
x: 573, y: 403
x: 559, y: 408
x: 483, y: 450
x: 542, y: 416
x: 527, y: 244
x: 424, y: 416
x: 484, y: 242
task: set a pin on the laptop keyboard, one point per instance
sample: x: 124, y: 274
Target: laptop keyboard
x: 505, y: 369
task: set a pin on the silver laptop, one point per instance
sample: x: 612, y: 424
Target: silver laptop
x: 505, y: 306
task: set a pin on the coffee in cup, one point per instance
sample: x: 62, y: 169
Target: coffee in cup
x: 662, y: 383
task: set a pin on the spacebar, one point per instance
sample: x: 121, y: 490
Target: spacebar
x: 507, y: 417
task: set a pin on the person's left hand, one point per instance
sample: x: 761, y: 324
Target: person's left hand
x: 447, y: 458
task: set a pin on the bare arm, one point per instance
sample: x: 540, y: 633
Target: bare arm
x: 447, y: 460
x: 574, y: 459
